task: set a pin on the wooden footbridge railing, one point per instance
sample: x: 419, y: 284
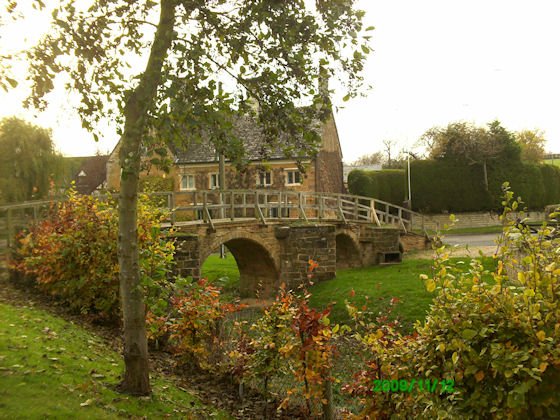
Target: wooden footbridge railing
x: 231, y: 205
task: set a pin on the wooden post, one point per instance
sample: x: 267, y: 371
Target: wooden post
x: 244, y: 205
x: 374, y: 217
x: 205, y: 205
x: 172, y: 206
x: 9, y: 227
x: 321, y: 209
x: 356, y: 201
x: 266, y: 212
x: 232, y: 205
x: 387, y: 214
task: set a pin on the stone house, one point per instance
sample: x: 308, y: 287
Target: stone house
x: 91, y: 175
x: 196, y: 167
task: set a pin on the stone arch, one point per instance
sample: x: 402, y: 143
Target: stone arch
x: 348, y: 254
x: 258, y: 271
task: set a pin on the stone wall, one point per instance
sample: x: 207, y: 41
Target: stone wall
x: 329, y: 160
x: 469, y: 220
x: 276, y: 253
x: 315, y: 242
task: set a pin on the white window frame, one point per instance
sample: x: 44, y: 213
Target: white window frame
x: 187, y: 176
x: 262, y: 176
x: 217, y: 177
x: 293, y: 171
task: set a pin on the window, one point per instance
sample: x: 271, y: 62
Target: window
x: 264, y: 179
x: 214, y: 181
x: 187, y: 182
x: 293, y: 177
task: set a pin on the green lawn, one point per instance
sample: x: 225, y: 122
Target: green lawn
x: 223, y: 272
x: 378, y: 283
x: 556, y: 162
x: 486, y: 229
x: 50, y: 368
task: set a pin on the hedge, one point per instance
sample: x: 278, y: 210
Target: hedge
x: 387, y: 184
x: 440, y: 185
x: 443, y: 185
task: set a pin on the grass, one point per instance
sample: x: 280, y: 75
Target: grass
x: 555, y: 162
x: 474, y: 230
x: 223, y: 272
x: 378, y: 283
x: 50, y: 368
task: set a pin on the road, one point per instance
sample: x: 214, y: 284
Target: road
x: 479, y: 239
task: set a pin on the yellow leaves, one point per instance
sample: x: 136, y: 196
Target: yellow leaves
x: 500, y: 267
x: 543, y: 366
x: 441, y: 347
x: 496, y: 289
x: 430, y: 285
x: 479, y: 376
x: 541, y: 335
x: 423, y: 277
x: 521, y: 277
x: 529, y: 292
x: 455, y: 357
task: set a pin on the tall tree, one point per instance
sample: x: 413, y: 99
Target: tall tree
x: 532, y: 144
x: 370, y: 159
x: 388, y: 147
x: 471, y: 145
x: 28, y: 160
x: 269, y: 49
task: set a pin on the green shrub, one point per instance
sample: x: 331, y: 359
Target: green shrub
x: 551, y: 180
x: 496, y: 345
x: 445, y: 185
x: 386, y: 185
x: 442, y: 185
x: 72, y: 255
x: 155, y: 184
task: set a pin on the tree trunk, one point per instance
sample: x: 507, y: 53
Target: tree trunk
x: 485, y: 175
x: 136, y: 379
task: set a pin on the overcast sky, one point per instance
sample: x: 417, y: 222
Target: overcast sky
x: 434, y: 62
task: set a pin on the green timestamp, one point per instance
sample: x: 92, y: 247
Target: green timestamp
x: 404, y: 385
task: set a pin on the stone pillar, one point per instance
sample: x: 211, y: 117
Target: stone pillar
x: 187, y: 255
x: 302, y: 243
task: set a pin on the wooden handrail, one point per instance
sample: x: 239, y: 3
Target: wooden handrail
x: 276, y: 204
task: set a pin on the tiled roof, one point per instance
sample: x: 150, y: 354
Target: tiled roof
x: 91, y: 174
x: 255, y: 146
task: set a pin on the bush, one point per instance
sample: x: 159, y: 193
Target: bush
x: 386, y: 185
x: 492, y: 349
x: 72, y: 255
x: 196, y: 323
x: 155, y: 184
x: 441, y: 185
x: 444, y: 185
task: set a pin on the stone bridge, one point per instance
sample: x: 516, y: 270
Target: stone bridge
x: 279, y: 252
x: 271, y: 234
